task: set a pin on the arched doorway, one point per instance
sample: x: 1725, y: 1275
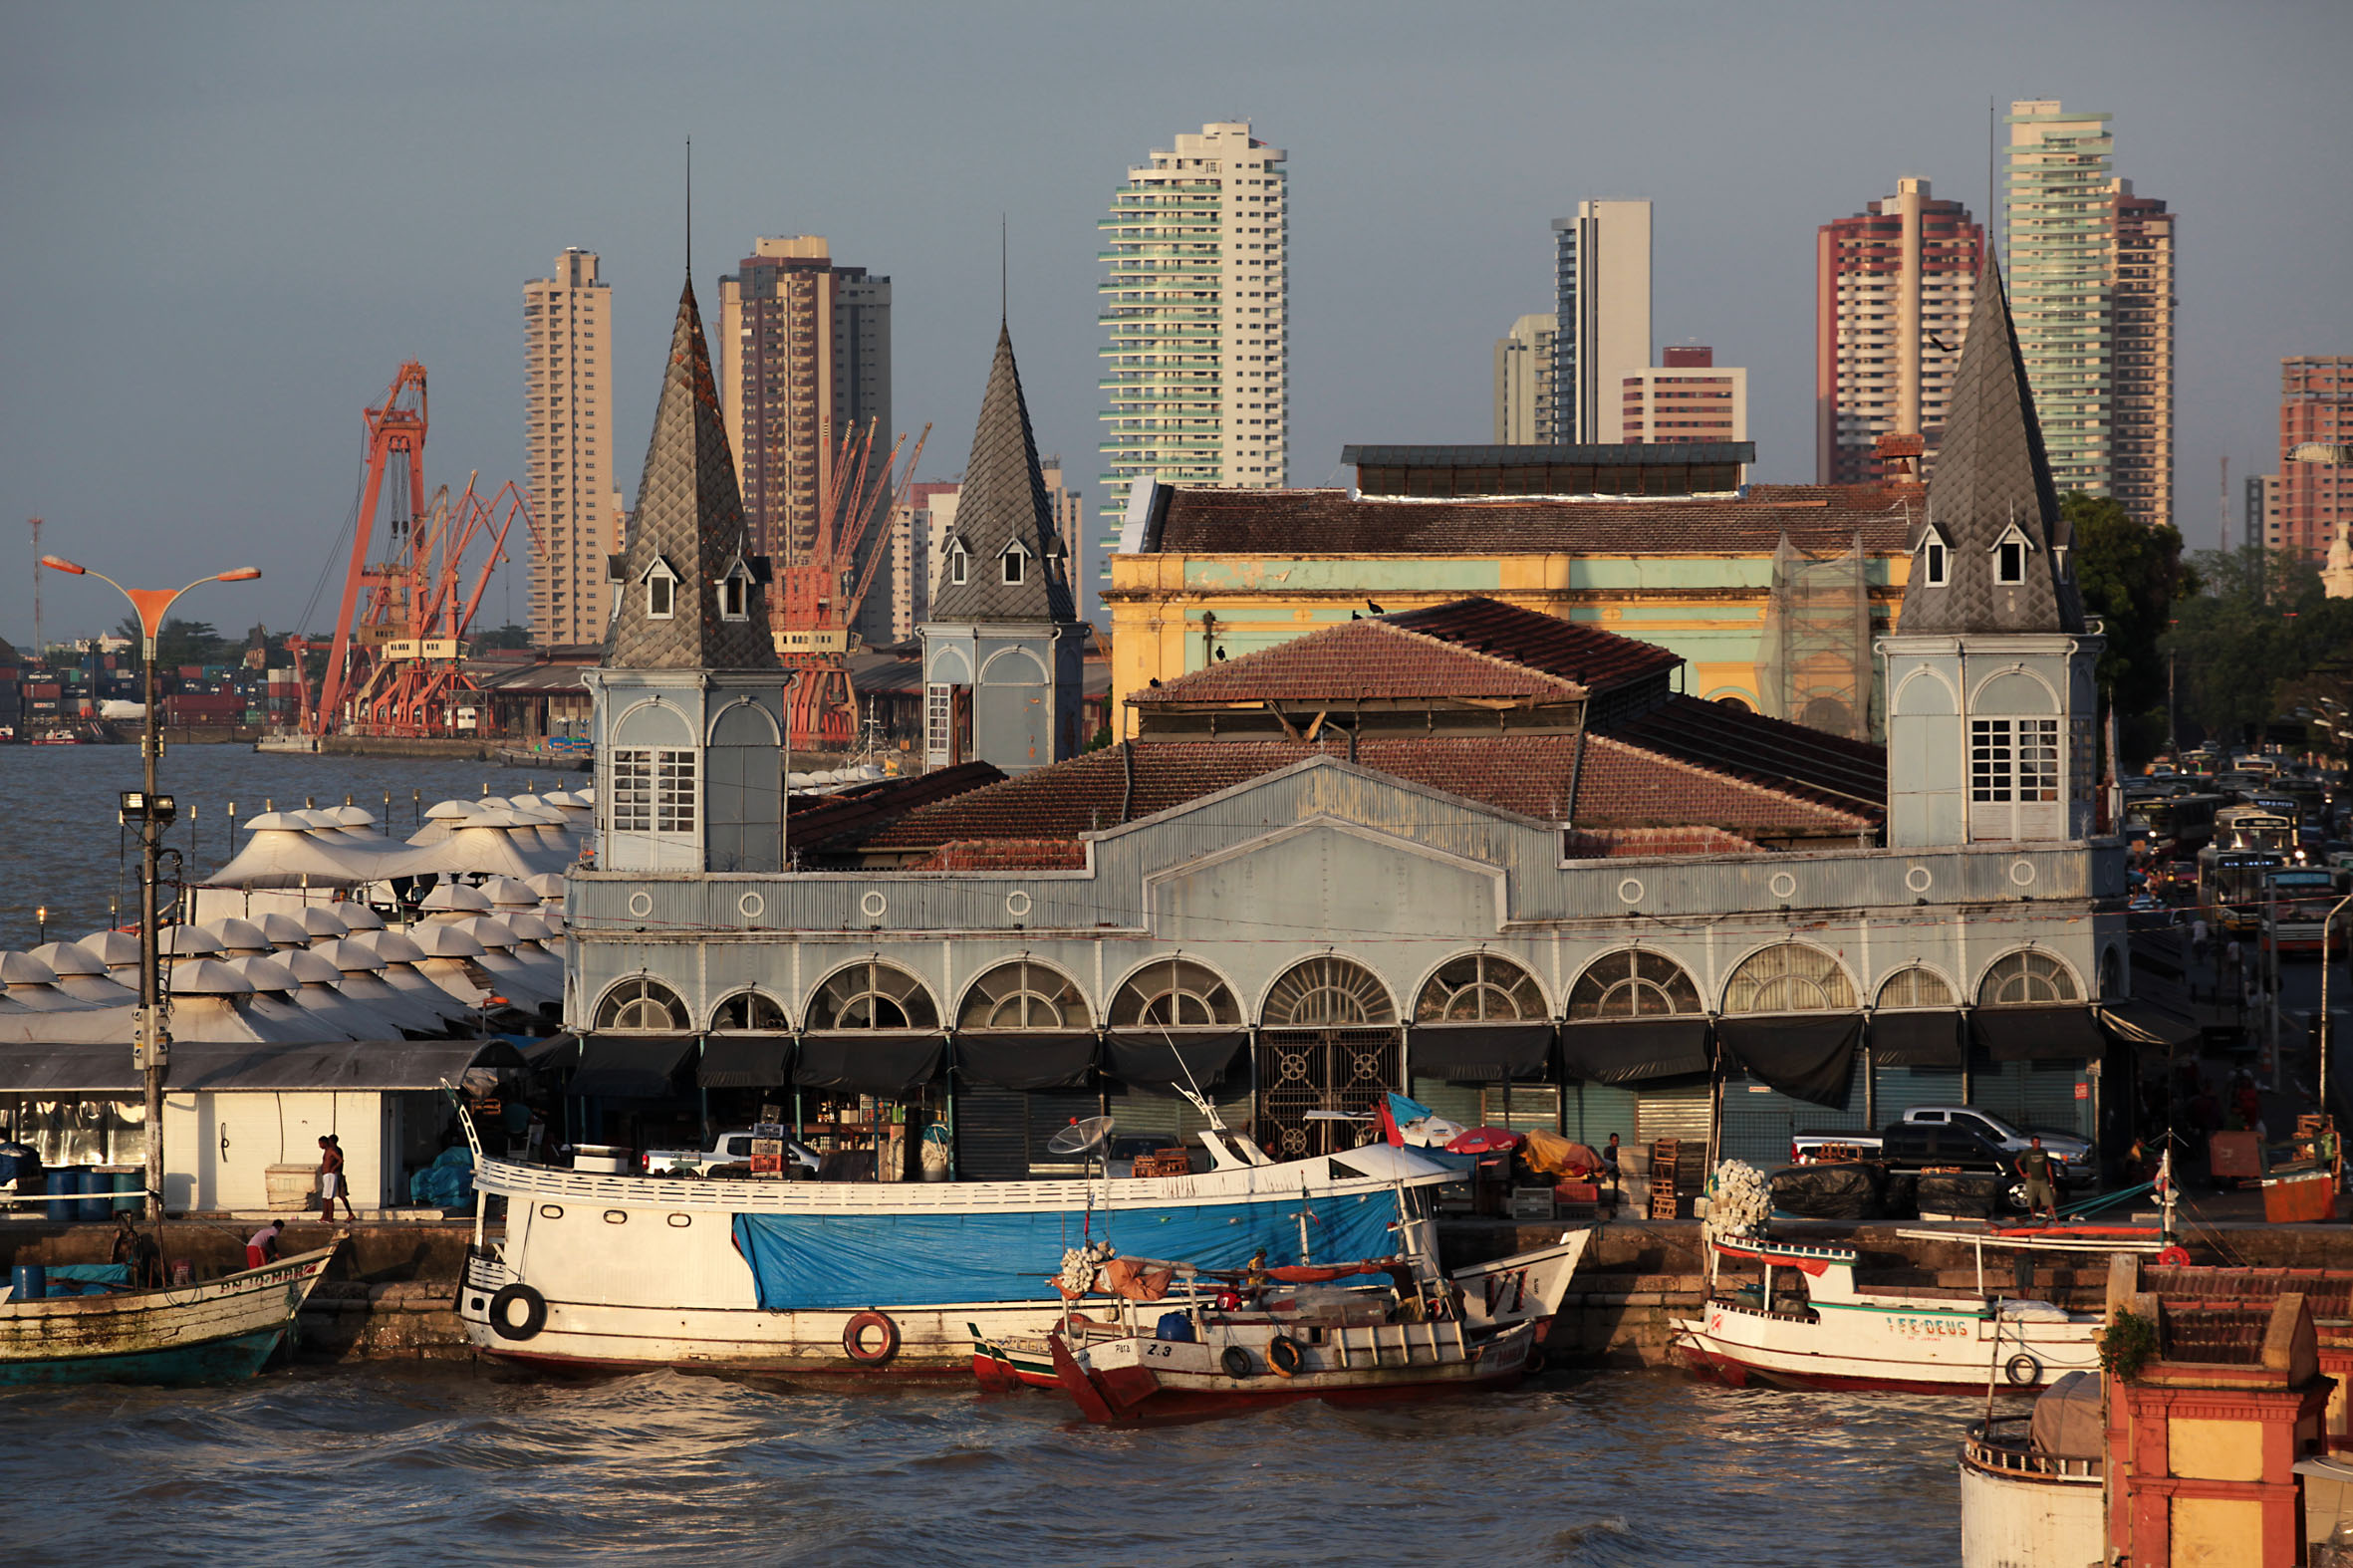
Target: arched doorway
x: 1329, y: 1042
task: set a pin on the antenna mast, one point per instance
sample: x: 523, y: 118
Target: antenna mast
x: 37, y: 642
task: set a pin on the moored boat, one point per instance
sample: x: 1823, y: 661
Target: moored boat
x: 221, y: 1330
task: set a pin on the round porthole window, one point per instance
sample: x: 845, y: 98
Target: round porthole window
x: 617, y: 1217
x: 1919, y: 879
x: 681, y: 1222
x: 2022, y: 872
x: 1017, y: 904
x: 1783, y: 885
x: 874, y: 904
x: 1629, y: 891
x: 550, y: 1211
x: 751, y: 905
x: 641, y: 905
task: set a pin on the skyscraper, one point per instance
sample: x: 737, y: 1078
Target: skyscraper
x: 1523, y: 383
x: 2142, y: 261
x: 2058, y: 215
x: 568, y: 425
x: 1602, y: 288
x: 1194, y: 306
x: 2315, y: 405
x: 804, y: 361
x: 1690, y: 398
x: 1894, y: 286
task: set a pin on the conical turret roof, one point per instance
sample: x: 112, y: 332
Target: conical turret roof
x: 1991, y: 484
x: 1002, y: 511
x: 688, y: 526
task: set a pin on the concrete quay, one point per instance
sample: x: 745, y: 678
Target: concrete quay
x: 390, y: 1294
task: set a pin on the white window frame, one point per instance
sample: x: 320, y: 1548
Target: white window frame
x: 1013, y: 565
x: 735, y: 602
x: 661, y: 592
x: 959, y: 565
x: 1936, y: 562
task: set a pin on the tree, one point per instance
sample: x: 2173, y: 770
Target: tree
x: 184, y: 642
x: 508, y: 636
x: 2130, y: 575
x: 2252, y: 635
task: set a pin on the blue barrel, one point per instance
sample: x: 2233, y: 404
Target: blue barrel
x: 31, y: 1281
x: 96, y: 1210
x: 69, y: 1183
x: 133, y: 1183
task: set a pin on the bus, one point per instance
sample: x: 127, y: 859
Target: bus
x: 2230, y: 886
x: 2298, y: 900
x: 2254, y: 828
x: 2177, y: 826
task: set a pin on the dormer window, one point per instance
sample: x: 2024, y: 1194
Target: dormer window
x: 959, y: 565
x: 735, y: 596
x: 661, y: 591
x: 2009, y: 555
x: 1936, y: 562
x: 1015, y: 562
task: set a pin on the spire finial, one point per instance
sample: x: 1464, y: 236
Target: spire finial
x: 1003, y: 251
x: 689, y: 210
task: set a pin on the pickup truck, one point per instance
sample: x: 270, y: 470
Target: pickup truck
x: 728, y: 1148
x: 2074, y: 1154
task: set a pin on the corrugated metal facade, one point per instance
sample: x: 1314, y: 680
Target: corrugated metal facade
x: 1759, y: 1121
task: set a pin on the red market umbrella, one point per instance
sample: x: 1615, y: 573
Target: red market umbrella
x: 1485, y: 1140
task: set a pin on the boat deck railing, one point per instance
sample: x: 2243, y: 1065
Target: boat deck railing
x: 2004, y: 1446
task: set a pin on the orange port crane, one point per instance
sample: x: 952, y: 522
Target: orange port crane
x: 818, y: 598
x: 394, y: 668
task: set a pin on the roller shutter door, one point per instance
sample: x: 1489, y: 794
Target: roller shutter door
x: 1459, y: 1103
x: 1595, y: 1111
x: 1759, y: 1121
x: 2034, y: 1094
x: 1900, y: 1088
x: 992, y: 1135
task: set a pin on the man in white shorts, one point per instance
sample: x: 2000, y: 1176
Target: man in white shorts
x: 330, y: 1180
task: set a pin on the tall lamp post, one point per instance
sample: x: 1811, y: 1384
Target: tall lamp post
x: 150, y: 1042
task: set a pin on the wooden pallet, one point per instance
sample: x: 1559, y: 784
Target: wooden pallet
x: 1664, y: 1153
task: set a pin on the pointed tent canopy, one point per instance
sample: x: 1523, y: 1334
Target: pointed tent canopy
x: 1002, y: 509
x: 690, y: 515
x: 1990, y: 476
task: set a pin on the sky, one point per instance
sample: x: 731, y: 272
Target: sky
x: 223, y: 227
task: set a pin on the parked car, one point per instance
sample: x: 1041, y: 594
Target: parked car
x: 2075, y: 1152
x: 2073, y: 1155
x: 727, y: 1148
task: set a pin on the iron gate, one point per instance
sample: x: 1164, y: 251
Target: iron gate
x: 1303, y: 1070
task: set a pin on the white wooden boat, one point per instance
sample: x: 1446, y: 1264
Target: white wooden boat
x: 223, y: 1330
x: 597, y: 1270
x: 1809, y: 1325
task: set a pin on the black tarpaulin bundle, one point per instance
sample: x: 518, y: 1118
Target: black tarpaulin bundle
x: 1164, y: 1061
x: 1964, y: 1197
x: 1832, y: 1192
x: 1491, y: 1052
x: 1635, y: 1050
x: 881, y: 1061
x: 1025, y: 1060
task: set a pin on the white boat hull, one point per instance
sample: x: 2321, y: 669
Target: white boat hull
x: 1913, y: 1345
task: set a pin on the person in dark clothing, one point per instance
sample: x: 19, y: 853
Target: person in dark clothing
x: 1609, y: 1161
x: 142, y: 1258
x: 2041, y: 1195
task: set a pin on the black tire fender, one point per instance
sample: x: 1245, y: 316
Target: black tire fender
x: 2023, y: 1371
x: 1236, y: 1361
x: 854, y: 1338
x: 502, y: 1322
x: 1283, y: 1355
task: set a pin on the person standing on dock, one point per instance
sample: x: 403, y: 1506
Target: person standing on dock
x: 330, y: 1180
x: 2035, y: 1165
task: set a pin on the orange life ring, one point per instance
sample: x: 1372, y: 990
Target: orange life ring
x: 2174, y: 1256
x: 855, y: 1337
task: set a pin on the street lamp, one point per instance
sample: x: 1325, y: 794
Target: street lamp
x: 150, y: 1042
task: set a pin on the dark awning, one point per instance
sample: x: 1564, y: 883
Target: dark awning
x: 1918, y: 1039
x: 1025, y: 1059
x: 1158, y: 1061
x: 2037, y: 1034
x: 1807, y: 1056
x: 629, y: 1066
x: 744, y: 1061
x: 888, y: 1063
x: 102, y: 1072
x: 2143, y: 1022
x: 1492, y: 1053
x: 1635, y: 1050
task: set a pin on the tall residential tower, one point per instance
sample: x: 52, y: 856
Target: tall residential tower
x: 804, y: 359
x: 2315, y: 502
x: 2142, y: 261
x: 568, y: 424
x: 1194, y: 382
x: 1894, y: 286
x: 1602, y: 298
x: 1523, y: 383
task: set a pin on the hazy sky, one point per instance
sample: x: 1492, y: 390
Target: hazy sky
x: 222, y: 227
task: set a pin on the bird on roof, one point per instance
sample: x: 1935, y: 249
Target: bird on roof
x: 1221, y: 656
x: 1941, y: 345
x: 1353, y: 616
x: 1376, y: 608
x: 1156, y: 680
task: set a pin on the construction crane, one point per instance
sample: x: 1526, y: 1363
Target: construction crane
x: 395, y: 664
x: 818, y: 598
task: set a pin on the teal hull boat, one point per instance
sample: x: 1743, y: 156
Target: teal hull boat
x: 221, y: 1331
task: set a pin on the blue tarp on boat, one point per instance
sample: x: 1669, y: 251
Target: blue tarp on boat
x: 926, y: 1260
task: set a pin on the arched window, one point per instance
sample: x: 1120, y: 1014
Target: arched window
x: 2111, y: 976
x: 873, y: 995
x: 1023, y: 995
x: 1633, y: 984
x: 1915, y: 987
x: 748, y: 1013
x: 1174, y: 993
x: 2026, y: 980
x: 642, y: 1006
x: 1790, y: 978
x: 1479, y: 987
x: 1328, y: 994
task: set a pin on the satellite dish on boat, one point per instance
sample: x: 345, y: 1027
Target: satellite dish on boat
x: 1080, y: 1138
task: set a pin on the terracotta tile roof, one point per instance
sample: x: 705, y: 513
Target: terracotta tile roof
x: 1816, y: 518
x: 1363, y: 659
x: 1619, y: 843
x: 1618, y: 786
x: 817, y: 821
x: 1005, y: 855
x: 1593, y: 658
x: 1810, y: 763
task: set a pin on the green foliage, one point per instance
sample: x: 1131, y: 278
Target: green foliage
x: 2129, y: 575
x: 2258, y: 628
x: 184, y: 642
x: 2127, y: 1344
x: 508, y: 636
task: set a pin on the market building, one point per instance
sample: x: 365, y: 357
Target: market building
x: 1509, y: 861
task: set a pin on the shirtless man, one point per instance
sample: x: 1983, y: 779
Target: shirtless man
x: 330, y: 1180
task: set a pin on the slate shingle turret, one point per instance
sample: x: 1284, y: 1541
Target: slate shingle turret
x: 1002, y: 510
x: 1992, y: 553
x: 689, y: 527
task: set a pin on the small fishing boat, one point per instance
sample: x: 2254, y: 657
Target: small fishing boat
x: 219, y: 1331
x: 1237, y: 1341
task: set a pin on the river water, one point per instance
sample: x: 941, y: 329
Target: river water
x: 436, y: 1465
x: 60, y: 846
